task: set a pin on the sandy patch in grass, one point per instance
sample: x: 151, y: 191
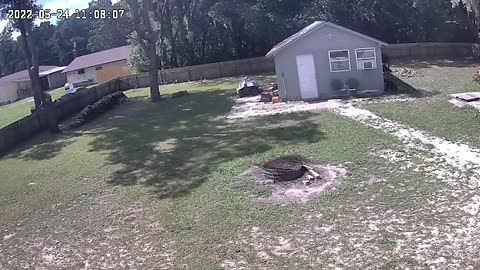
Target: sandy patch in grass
x: 455, y: 164
x: 103, y: 231
x: 457, y: 155
x: 251, y: 107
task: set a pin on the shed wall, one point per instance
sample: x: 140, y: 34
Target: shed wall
x: 318, y: 43
x: 56, y: 80
x: 8, y: 92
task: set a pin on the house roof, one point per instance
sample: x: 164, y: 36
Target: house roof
x: 51, y: 71
x: 23, y: 75
x: 99, y: 58
x: 312, y: 27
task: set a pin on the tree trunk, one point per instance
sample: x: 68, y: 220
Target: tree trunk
x: 148, y: 38
x: 31, y: 58
x: 153, y: 76
x: 36, y: 85
x: 32, y: 64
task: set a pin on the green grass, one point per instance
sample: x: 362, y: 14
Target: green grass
x: 436, y: 116
x: 434, y: 113
x: 179, y: 160
x: 14, y: 111
x: 165, y: 177
x: 442, y: 76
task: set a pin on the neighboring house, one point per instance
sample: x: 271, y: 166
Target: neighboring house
x: 324, y: 60
x: 17, y: 86
x: 99, y: 67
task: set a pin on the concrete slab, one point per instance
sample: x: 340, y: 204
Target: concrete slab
x: 468, y: 97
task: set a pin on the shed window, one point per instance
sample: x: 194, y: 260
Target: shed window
x: 339, y: 60
x: 366, y: 58
x: 98, y: 68
x: 81, y: 71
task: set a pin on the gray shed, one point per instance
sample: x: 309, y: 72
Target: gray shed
x: 325, y: 60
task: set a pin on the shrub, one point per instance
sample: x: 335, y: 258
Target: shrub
x: 90, y: 112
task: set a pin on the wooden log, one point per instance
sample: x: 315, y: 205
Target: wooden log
x: 308, y: 182
x: 310, y: 170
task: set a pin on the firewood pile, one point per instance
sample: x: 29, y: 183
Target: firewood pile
x: 405, y: 72
x: 91, y: 112
x: 290, y: 168
x: 270, y: 93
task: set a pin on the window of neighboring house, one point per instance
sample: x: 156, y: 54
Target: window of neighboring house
x: 98, y: 68
x: 339, y: 60
x: 81, y: 71
x: 366, y: 58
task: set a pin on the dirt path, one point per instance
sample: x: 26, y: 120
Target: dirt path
x: 250, y: 107
x: 459, y: 156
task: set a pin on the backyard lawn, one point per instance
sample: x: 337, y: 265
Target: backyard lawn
x: 162, y: 186
x: 433, y: 113
x: 14, y: 111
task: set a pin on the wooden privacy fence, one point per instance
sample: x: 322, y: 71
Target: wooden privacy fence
x: 430, y: 50
x: 205, y: 72
x: 25, y: 128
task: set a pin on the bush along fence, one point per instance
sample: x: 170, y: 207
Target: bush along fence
x: 27, y: 127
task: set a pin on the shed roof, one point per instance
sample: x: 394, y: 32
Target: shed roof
x: 312, y: 27
x: 99, y: 58
x: 23, y: 75
x: 51, y: 71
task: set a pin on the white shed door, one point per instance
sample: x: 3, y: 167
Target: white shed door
x: 307, y: 76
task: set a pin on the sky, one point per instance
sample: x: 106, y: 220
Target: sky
x: 57, y: 4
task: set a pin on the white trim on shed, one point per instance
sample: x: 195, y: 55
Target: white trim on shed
x: 309, y: 29
x: 340, y: 60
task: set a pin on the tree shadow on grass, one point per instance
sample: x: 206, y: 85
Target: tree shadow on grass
x: 43, y: 147
x: 175, y: 145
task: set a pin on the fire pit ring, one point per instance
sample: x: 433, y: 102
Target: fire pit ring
x: 284, y: 168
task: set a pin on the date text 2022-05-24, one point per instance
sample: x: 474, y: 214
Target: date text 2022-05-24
x: 61, y: 14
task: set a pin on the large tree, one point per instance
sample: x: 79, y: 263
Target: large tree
x: 44, y: 36
x: 109, y: 33
x: 472, y: 7
x: 69, y: 32
x: 147, y: 37
x: 10, y: 53
x: 30, y: 50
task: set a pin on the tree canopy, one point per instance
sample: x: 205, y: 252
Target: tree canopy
x: 203, y: 31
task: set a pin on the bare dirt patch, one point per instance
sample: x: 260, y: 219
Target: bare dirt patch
x: 295, y: 191
x: 102, y: 231
x: 252, y: 107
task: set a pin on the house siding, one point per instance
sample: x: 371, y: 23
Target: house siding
x: 108, y: 72
x: 318, y: 43
x: 113, y: 70
x: 74, y: 77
